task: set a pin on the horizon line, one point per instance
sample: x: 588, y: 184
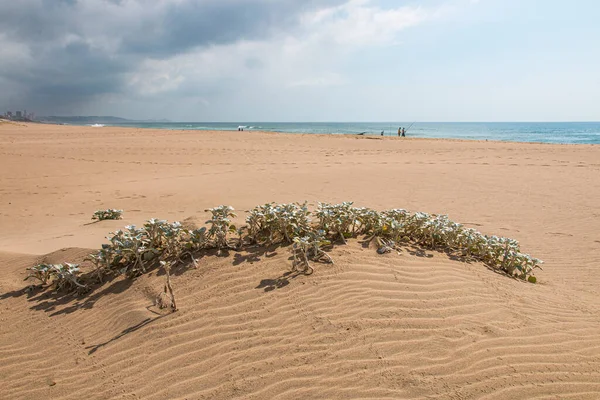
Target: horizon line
x: 167, y: 120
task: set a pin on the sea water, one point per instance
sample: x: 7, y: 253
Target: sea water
x: 544, y: 132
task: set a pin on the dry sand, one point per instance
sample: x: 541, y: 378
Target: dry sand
x: 370, y: 326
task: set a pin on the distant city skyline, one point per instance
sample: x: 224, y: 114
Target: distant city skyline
x: 19, y: 115
x: 314, y: 60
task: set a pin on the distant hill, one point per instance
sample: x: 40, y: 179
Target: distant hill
x: 93, y: 120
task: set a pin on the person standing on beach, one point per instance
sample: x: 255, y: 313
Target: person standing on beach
x: 399, y: 131
x: 403, y: 132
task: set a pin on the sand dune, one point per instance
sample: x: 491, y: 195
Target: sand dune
x: 406, y: 325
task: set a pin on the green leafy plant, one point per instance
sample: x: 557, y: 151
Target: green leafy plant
x: 273, y: 223
x: 308, y: 248
x: 155, y: 231
x: 262, y: 224
x: 102, y: 261
x: 41, y: 272
x: 59, y: 276
x: 132, y: 248
x: 134, y: 251
x: 292, y: 220
x: 220, y: 225
x: 197, y: 239
x: 101, y: 215
x: 341, y: 219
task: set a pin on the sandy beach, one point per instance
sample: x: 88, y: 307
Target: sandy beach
x: 393, y: 326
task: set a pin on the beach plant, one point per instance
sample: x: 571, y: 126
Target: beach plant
x: 240, y: 232
x: 341, y: 219
x: 367, y: 220
x: 292, y: 220
x: 308, y: 248
x: 41, y: 272
x: 102, y: 215
x: 134, y: 251
x: 166, y: 299
x: 174, y: 237
x: 220, y: 225
x: 171, y: 240
x: 261, y: 222
x: 155, y: 230
x: 395, y: 222
x: 273, y: 223
x: 131, y: 247
x: 66, y: 277
x: 59, y: 276
x: 384, y: 228
x: 102, y: 260
x: 196, y: 239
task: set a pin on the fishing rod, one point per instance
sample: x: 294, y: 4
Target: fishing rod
x: 410, y: 126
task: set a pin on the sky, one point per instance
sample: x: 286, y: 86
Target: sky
x: 303, y: 60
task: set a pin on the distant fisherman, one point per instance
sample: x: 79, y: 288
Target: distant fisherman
x: 403, y: 132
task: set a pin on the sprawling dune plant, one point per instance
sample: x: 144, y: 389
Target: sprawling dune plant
x: 262, y: 222
x: 103, y: 261
x: 101, y: 215
x: 197, y: 239
x: 339, y: 219
x: 41, y: 272
x: 133, y: 251
x: 59, y: 276
x: 293, y: 220
x: 291, y: 223
x: 220, y: 226
x: 308, y: 248
x: 273, y: 223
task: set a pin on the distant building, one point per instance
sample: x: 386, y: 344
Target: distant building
x: 19, y: 115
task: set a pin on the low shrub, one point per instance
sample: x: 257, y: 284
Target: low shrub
x: 274, y: 223
x: 220, y: 226
x: 101, y: 215
x: 309, y: 247
x: 57, y: 276
x: 134, y: 251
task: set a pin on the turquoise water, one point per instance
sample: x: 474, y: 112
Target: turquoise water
x: 547, y: 132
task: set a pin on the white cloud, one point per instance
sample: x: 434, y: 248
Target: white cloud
x: 310, y: 56
x: 359, y: 23
x: 331, y: 79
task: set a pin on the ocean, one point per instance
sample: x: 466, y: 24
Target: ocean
x: 544, y: 132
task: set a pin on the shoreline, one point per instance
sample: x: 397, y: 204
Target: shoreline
x: 355, y: 135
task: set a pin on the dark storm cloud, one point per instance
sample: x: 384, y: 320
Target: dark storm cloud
x: 75, y: 50
x: 69, y: 74
x: 192, y: 24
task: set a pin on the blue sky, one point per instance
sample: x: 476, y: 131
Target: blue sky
x: 331, y: 60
